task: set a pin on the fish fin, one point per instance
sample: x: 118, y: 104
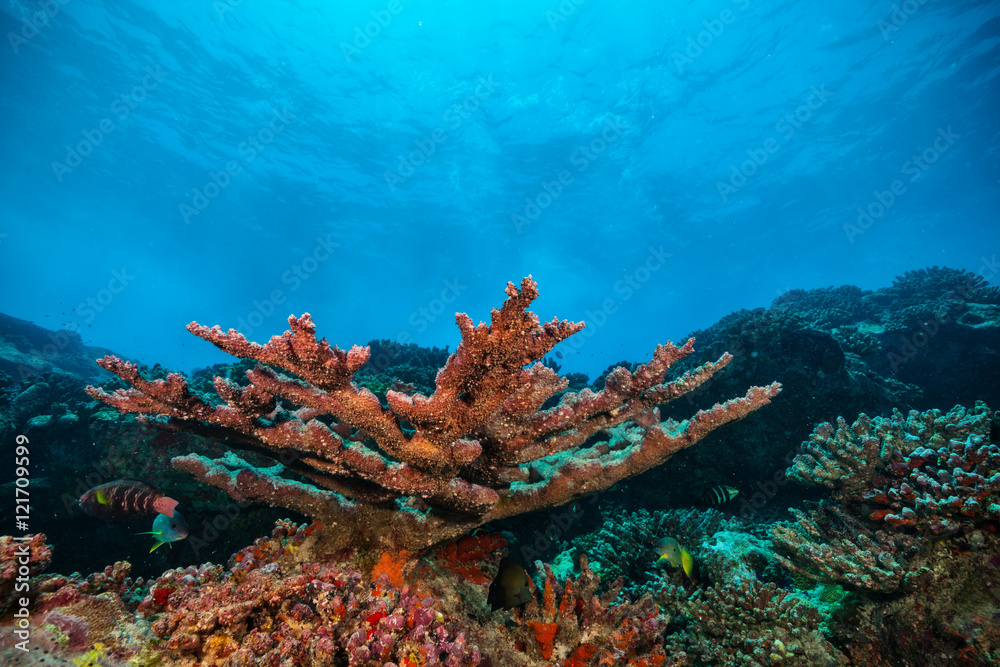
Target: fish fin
x: 156, y: 546
x: 135, y: 479
x: 151, y: 532
x: 687, y: 562
x: 102, y: 498
x: 165, y: 506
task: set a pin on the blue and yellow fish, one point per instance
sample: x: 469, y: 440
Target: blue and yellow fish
x: 167, y: 529
x: 672, y: 553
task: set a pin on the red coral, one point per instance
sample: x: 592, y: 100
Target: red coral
x: 584, y: 625
x: 160, y: 595
x: 392, y: 567
x: 455, y: 454
x: 259, y: 615
x: 581, y: 656
x: 545, y: 634
x: 465, y: 557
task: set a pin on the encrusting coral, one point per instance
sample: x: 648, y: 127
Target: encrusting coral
x: 427, y: 469
x: 256, y: 614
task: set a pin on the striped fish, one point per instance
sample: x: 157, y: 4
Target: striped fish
x: 718, y: 495
x: 125, y: 500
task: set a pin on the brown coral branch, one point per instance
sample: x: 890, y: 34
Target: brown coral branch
x: 479, y: 447
x: 567, y: 477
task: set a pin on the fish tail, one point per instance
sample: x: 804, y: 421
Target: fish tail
x: 165, y: 505
x: 687, y: 562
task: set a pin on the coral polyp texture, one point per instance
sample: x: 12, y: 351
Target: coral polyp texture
x: 830, y: 546
x: 575, y: 627
x: 426, y: 469
x: 323, y: 614
x: 20, y: 558
x: 746, y: 623
x: 930, y: 470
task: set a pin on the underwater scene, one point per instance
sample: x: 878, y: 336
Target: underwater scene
x: 569, y: 333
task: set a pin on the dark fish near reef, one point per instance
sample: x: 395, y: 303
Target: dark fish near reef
x: 510, y: 588
x: 718, y: 495
x: 124, y: 500
x: 167, y: 529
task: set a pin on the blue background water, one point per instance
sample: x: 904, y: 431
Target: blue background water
x: 393, y: 177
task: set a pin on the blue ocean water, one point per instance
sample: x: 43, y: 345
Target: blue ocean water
x: 383, y: 165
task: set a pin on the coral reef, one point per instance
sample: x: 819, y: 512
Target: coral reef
x: 819, y: 380
x: 950, y: 618
x: 911, y: 529
x: 272, y: 605
x: 573, y: 626
x: 481, y: 448
x: 28, y: 350
x: 829, y: 545
x: 623, y: 546
x: 744, y: 622
x: 319, y: 615
x: 390, y: 364
x: 928, y: 470
x: 897, y: 564
x: 829, y: 307
x: 836, y: 351
x: 79, y: 622
x: 20, y: 559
